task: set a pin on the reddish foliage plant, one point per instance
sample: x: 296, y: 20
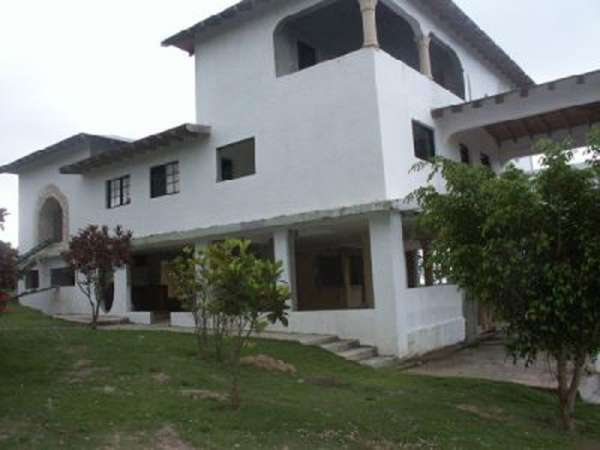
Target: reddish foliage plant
x: 94, y: 254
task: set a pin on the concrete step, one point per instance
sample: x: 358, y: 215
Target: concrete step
x: 318, y: 339
x: 341, y: 345
x: 380, y: 362
x: 359, y: 353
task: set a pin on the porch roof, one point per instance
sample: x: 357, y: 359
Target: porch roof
x: 131, y: 150
x: 568, y: 104
x: 446, y: 10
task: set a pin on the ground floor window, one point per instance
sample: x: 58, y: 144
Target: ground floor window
x: 62, y: 277
x: 32, y: 279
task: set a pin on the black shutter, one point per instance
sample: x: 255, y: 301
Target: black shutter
x: 158, y: 181
x: 108, y: 193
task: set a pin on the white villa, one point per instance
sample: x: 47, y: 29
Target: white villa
x: 309, y: 117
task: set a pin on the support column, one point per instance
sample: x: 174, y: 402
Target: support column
x: 285, y: 251
x: 424, y: 46
x: 122, y: 295
x: 367, y: 9
x: 389, y: 283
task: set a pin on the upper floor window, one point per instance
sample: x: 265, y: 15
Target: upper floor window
x: 424, y: 141
x: 117, y: 192
x: 465, y: 154
x: 485, y: 161
x: 236, y: 160
x: 164, y: 180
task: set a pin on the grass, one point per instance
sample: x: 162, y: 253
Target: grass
x: 65, y: 386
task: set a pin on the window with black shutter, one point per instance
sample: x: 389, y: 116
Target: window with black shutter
x: 164, y: 180
x: 236, y: 160
x: 424, y: 141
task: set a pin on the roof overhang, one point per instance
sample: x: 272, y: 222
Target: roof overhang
x: 141, y: 147
x: 565, y: 107
x: 79, y: 141
x: 446, y: 10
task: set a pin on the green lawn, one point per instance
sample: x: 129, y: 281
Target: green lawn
x: 65, y: 386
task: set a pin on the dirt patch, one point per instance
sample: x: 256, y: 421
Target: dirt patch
x: 161, y: 378
x: 268, y: 363
x: 82, y: 373
x: 492, y: 413
x: 204, y: 394
x: 82, y: 363
x: 76, y: 350
x: 168, y: 439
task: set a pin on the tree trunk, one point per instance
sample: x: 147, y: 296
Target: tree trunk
x: 567, y: 390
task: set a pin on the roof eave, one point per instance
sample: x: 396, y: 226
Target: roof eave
x: 131, y: 150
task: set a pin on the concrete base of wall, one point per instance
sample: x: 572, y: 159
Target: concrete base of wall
x: 437, y: 336
x: 142, y: 318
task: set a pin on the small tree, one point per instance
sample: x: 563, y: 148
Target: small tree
x: 8, y: 266
x: 94, y: 254
x: 529, y: 246
x: 187, y: 272
x: 246, y: 296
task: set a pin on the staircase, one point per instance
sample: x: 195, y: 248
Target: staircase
x: 352, y: 350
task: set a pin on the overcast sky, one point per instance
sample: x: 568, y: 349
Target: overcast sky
x: 68, y: 66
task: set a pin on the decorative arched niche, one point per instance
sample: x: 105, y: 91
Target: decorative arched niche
x: 52, y: 215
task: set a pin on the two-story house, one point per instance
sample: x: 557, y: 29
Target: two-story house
x: 310, y: 115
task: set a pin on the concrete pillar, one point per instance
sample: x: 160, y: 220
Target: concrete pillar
x: 424, y: 46
x: 367, y: 9
x: 122, y: 296
x: 389, y: 283
x: 285, y: 251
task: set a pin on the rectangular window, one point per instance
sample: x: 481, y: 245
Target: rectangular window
x: 465, y: 154
x: 485, y: 160
x: 307, y: 56
x: 117, y: 192
x: 62, y: 277
x: 32, y: 280
x: 424, y: 141
x: 236, y: 160
x: 164, y: 180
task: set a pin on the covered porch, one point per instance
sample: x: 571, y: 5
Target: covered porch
x: 354, y: 273
x: 563, y: 109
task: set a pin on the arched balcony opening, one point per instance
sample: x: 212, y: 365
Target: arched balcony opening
x: 333, y: 29
x: 446, y: 67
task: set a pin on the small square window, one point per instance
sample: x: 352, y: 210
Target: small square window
x: 164, y: 180
x: 236, y: 160
x: 117, y: 192
x: 424, y: 141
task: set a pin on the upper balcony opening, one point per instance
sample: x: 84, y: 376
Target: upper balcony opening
x: 333, y: 29
x: 446, y: 68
